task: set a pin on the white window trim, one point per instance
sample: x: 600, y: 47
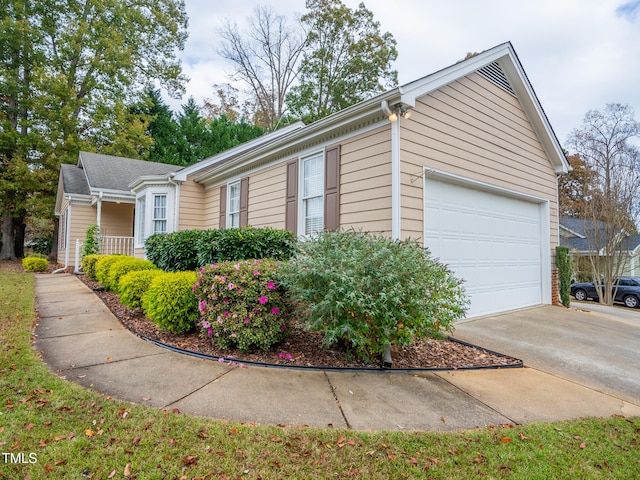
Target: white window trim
x: 301, y: 197
x: 229, y: 213
x: 149, y: 194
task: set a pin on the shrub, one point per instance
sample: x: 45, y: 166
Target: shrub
x: 92, y: 240
x: 366, y: 291
x: 89, y: 263
x: 134, y: 285
x: 103, y: 268
x: 170, y: 302
x: 35, y: 263
x: 124, y: 266
x: 246, y: 243
x: 563, y: 262
x: 174, y: 252
x: 242, y: 304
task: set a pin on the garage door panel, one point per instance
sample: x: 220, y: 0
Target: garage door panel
x: 491, y: 241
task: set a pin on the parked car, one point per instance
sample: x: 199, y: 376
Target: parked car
x: 628, y: 291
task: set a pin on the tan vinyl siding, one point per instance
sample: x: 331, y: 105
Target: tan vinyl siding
x: 267, y: 194
x: 117, y: 220
x: 476, y: 130
x: 191, y: 206
x: 81, y: 217
x: 211, y: 208
x: 365, y: 181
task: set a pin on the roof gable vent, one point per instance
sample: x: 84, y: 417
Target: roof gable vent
x: 494, y: 73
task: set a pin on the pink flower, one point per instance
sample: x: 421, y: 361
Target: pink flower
x: 271, y: 285
x: 237, y: 266
x: 225, y: 314
x: 205, y: 324
x: 275, y: 310
x: 256, y: 273
x: 209, y: 332
x: 263, y: 300
x: 231, y: 286
x: 220, y: 320
x: 202, y: 306
x: 256, y: 311
x: 246, y: 320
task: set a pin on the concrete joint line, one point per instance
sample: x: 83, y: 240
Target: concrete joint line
x: 511, y: 420
x: 110, y: 362
x: 198, y: 389
x: 338, y: 404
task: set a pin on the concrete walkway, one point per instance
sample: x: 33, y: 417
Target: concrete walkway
x: 82, y: 341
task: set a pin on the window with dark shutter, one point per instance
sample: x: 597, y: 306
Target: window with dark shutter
x: 223, y: 207
x: 244, y: 202
x: 291, y: 210
x: 332, y: 188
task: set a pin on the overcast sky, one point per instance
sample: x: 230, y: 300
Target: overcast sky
x: 578, y: 54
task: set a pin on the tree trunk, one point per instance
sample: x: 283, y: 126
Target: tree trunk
x: 19, y: 230
x: 8, y: 244
x: 53, y: 255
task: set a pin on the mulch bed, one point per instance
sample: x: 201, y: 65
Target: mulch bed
x: 303, y: 348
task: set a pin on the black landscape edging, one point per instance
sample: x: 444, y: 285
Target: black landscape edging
x: 238, y: 362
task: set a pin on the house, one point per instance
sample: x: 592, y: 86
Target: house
x: 585, y: 237
x: 463, y: 159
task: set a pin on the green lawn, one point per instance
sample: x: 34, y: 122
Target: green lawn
x: 51, y: 428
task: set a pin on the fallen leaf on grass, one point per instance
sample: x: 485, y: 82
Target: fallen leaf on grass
x: 112, y: 474
x: 583, y: 445
x: 127, y: 470
x: 506, y: 440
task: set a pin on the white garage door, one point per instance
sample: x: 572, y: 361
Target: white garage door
x: 491, y: 241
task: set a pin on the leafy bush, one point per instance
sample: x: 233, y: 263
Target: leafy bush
x: 35, y: 263
x: 103, y: 268
x: 366, y: 291
x: 563, y: 262
x: 246, y: 243
x: 42, y: 244
x: 92, y: 240
x: 174, y: 252
x: 170, y: 302
x: 134, y: 285
x: 241, y: 304
x: 89, y: 263
x: 124, y: 266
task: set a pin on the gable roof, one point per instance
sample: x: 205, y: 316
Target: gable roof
x: 107, y: 172
x: 585, y: 232
x: 501, y: 62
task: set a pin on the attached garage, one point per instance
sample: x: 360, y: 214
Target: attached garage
x: 492, y: 238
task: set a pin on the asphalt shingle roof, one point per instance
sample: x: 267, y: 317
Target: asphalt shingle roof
x: 74, y: 180
x: 116, y: 173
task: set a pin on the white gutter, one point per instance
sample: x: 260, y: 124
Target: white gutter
x: 176, y: 199
x: 67, y: 233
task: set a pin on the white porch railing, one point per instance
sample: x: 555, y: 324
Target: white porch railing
x: 110, y: 245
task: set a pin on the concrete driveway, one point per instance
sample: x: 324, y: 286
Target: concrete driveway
x: 590, y: 344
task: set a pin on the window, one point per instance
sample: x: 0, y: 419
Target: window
x: 233, y: 202
x: 159, y: 214
x: 141, y: 206
x: 312, y: 194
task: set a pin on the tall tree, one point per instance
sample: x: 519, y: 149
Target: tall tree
x: 573, y: 187
x: 69, y: 71
x: 604, y: 143
x: 346, y: 60
x: 266, y: 59
x: 163, y: 129
x: 195, y: 142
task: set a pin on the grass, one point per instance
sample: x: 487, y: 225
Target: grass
x: 51, y: 428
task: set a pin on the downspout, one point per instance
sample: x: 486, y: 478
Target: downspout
x: 176, y: 199
x: 67, y: 234
x: 387, y: 360
x: 99, y: 214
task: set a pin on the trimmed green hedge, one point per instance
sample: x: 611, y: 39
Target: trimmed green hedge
x: 190, y: 249
x: 134, y: 285
x: 103, y: 268
x: 124, y: 266
x: 89, y: 263
x: 35, y: 263
x: 170, y: 302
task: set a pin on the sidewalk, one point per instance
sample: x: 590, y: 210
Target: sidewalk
x: 81, y: 340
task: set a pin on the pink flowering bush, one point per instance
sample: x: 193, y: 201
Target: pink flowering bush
x: 241, y: 304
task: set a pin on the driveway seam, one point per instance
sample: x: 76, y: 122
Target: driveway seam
x: 199, y: 388
x: 511, y: 420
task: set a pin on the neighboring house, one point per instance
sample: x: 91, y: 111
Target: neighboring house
x: 583, y: 237
x: 463, y: 159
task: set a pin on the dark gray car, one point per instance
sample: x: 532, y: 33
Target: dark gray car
x: 627, y: 291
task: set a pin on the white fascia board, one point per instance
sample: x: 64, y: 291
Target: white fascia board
x: 182, y: 175
x: 562, y: 227
x: 506, y: 57
x: 353, y: 118
x: 150, y: 180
